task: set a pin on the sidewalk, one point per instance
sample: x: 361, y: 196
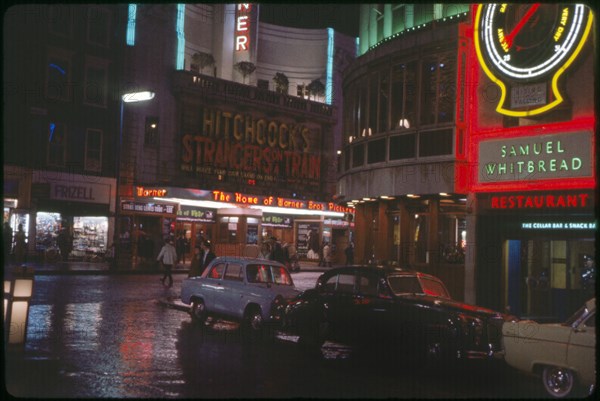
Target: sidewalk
x: 91, y: 268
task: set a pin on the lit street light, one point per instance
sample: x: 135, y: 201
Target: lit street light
x: 132, y: 97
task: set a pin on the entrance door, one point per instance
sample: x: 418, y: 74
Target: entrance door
x: 512, y: 267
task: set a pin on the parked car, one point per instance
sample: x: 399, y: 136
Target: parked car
x: 253, y: 291
x: 372, y: 306
x: 562, y: 354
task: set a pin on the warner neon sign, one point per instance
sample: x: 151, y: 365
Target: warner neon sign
x: 242, y: 27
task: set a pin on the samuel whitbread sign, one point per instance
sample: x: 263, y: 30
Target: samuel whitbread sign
x: 532, y: 158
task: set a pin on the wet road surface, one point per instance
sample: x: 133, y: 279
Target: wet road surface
x: 107, y: 336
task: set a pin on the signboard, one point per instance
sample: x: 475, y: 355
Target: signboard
x: 307, y: 238
x: 242, y: 27
x: 154, y: 208
x: 574, y: 201
x: 195, y: 214
x: 558, y: 225
x: 530, y: 158
x: 275, y: 220
x: 79, y: 191
x: 244, y: 148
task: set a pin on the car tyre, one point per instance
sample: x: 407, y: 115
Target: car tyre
x: 313, y: 334
x: 198, y: 311
x: 558, y: 382
x: 252, y: 325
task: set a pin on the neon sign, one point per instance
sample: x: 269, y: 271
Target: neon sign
x: 546, y: 201
x: 242, y: 27
x: 150, y: 192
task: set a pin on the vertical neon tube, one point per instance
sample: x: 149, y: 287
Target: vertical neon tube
x: 357, y: 46
x: 180, y: 37
x: 329, y: 83
x: 131, y: 20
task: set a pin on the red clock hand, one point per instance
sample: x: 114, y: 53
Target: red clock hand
x: 508, y: 39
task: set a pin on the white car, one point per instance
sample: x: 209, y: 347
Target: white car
x: 563, y: 354
x: 253, y: 291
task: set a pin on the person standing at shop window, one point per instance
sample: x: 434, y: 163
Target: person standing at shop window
x: 65, y: 243
x: 7, y: 238
x: 20, y: 245
x: 180, y: 246
x: 168, y: 257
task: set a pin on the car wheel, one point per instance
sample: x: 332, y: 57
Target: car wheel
x: 253, y: 323
x: 313, y: 333
x: 558, y: 382
x: 198, y: 311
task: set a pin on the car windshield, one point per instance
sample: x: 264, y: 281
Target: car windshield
x: 401, y: 284
x: 268, y: 274
x: 576, y: 316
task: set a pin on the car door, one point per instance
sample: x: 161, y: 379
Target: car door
x: 338, y: 301
x: 213, y: 288
x: 581, y: 351
x: 234, y: 297
x: 371, y: 312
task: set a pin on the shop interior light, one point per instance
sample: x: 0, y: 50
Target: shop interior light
x: 413, y: 196
x: 134, y: 97
x: 444, y: 194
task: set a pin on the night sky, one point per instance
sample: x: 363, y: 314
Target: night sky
x: 341, y: 17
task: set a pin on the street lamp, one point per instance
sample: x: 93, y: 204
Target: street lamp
x: 18, y: 289
x: 131, y: 97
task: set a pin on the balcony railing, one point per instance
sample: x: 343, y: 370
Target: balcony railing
x: 189, y: 81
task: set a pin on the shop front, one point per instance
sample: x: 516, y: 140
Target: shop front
x: 79, y: 207
x: 237, y: 223
x: 536, y: 252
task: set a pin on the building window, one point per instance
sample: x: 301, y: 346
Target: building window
x: 262, y: 84
x: 404, y: 93
x: 151, y: 132
x: 376, y: 151
x: 98, y: 26
x: 438, y: 89
x: 57, y: 144
x: 373, y: 96
x: 403, y: 147
x: 96, y: 79
x: 358, y: 155
x: 302, y: 91
x: 93, y: 150
x: 58, y: 77
x: 435, y: 143
x: 60, y: 20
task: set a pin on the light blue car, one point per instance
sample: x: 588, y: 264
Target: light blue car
x: 252, y: 291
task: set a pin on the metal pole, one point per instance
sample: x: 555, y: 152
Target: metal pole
x: 117, y: 229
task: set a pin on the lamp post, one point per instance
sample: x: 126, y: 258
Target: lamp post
x: 18, y: 289
x: 131, y: 97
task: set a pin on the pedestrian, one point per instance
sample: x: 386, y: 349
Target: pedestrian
x: 265, y: 251
x: 207, y: 255
x: 20, y: 245
x: 65, y: 243
x: 168, y: 257
x: 277, y: 251
x: 196, y: 263
x: 349, y: 251
x: 326, y: 254
x: 7, y: 238
x: 180, y: 246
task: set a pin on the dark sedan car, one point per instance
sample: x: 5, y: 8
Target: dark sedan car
x: 376, y: 306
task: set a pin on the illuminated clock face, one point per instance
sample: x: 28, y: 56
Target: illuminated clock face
x: 525, y: 48
x: 528, y: 41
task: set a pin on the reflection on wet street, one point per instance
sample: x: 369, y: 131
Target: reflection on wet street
x: 107, y: 336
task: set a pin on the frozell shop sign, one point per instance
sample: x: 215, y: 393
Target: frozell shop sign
x: 80, y: 192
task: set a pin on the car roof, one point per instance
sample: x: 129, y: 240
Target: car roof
x: 380, y: 269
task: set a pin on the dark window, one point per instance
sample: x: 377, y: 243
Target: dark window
x: 358, y: 155
x: 95, y: 85
x: 347, y: 159
x: 435, y: 143
x: 402, y: 147
x: 60, y: 20
x: 367, y: 285
x: 98, y: 26
x: 234, y: 272
x: 373, y: 96
x: 376, y: 151
x: 57, y: 84
x: 93, y: 150
x: 263, y: 84
x: 403, y: 95
x: 57, y: 144
x: 438, y: 90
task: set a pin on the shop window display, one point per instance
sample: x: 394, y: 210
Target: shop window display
x: 47, y: 226
x: 90, y: 235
